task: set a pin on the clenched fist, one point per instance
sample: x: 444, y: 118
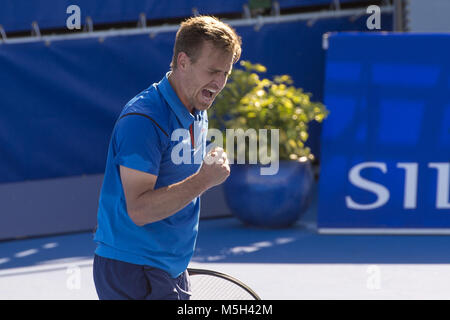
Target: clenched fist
x: 215, y: 168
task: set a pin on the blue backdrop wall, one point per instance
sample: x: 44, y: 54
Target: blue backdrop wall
x: 18, y: 15
x: 59, y: 100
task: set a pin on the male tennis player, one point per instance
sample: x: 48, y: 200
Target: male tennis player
x: 149, y: 203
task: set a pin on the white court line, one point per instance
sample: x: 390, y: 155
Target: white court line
x: 25, y: 253
x: 47, y: 267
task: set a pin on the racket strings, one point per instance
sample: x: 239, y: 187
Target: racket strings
x: 207, y: 287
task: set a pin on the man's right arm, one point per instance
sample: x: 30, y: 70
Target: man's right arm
x: 146, y: 204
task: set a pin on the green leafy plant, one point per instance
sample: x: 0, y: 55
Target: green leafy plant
x: 251, y: 102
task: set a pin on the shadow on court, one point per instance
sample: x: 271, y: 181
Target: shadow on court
x: 227, y: 240
x: 42, y: 250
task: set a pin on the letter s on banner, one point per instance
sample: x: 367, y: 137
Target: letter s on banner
x: 356, y: 179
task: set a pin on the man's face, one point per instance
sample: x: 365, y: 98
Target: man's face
x: 207, y: 76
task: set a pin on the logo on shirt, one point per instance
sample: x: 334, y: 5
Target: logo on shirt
x: 192, y: 148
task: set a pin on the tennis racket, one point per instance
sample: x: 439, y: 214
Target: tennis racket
x: 213, y: 285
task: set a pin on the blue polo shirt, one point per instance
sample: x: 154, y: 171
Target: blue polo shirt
x: 156, y: 134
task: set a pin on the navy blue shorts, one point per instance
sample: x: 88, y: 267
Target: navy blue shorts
x: 118, y: 280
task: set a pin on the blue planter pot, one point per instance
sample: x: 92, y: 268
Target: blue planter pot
x: 269, y: 201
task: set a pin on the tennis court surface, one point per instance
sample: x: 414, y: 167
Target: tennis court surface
x: 293, y: 263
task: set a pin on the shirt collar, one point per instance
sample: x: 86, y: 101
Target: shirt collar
x: 182, y: 113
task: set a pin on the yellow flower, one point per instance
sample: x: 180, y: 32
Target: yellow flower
x: 260, y: 68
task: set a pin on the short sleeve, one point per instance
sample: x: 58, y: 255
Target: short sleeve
x: 139, y: 144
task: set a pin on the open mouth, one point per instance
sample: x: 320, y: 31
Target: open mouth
x: 208, y: 94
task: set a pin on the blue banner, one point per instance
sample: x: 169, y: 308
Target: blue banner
x: 385, y: 147
x: 18, y: 15
x: 60, y: 100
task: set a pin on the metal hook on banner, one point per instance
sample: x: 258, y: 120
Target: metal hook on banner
x: 336, y: 5
x: 89, y: 26
x: 35, y: 32
x: 142, y: 22
x: 2, y: 34
x: 195, y: 12
x: 275, y: 9
x: 259, y: 24
x: 247, y: 14
x: 311, y: 22
x: 153, y: 33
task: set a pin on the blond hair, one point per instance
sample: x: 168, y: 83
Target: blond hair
x: 194, y: 31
